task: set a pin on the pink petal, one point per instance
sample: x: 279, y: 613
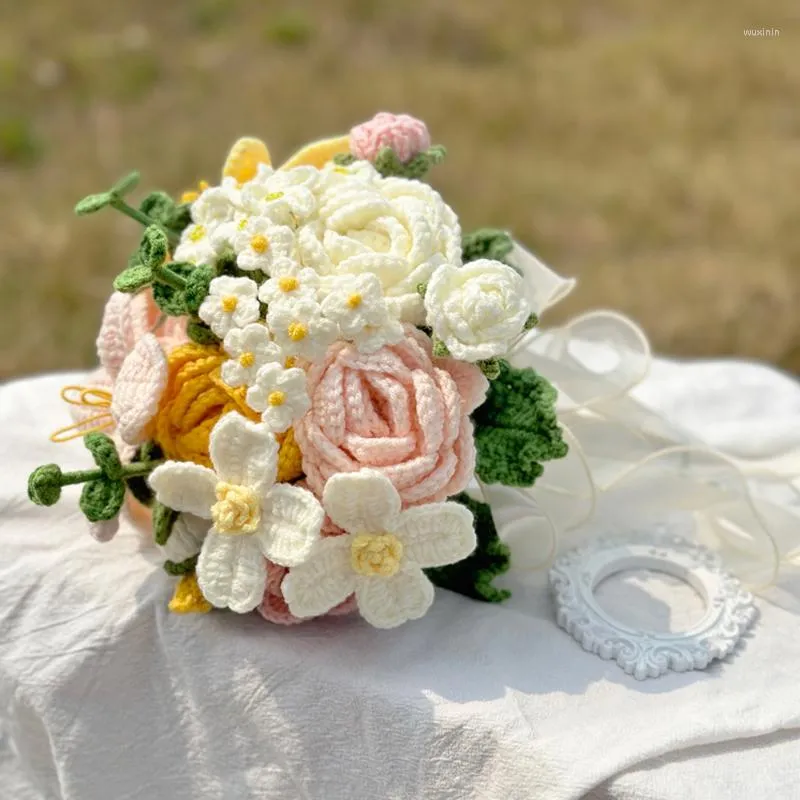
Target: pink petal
x: 138, y: 389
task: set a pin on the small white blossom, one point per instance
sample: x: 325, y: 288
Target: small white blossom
x: 215, y: 205
x: 300, y: 329
x: 381, y: 556
x: 289, y: 281
x: 477, y: 310
x: 259, y: 243
x: 231, y: 303
x: 280, y: 395
x: 285, y: 196
x: 356, y: 304
x: 252, y: 517
x: 198, y: 244
x: 250, y: 348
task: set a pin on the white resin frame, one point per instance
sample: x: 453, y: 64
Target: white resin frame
x: 648, y: 654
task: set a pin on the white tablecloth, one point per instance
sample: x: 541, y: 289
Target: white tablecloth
x: 104, y: 695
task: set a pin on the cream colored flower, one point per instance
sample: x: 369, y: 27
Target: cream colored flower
x: 231, y: 303
x: 477, y: 310
x: 252, y: 517
x: 215, y: 205
x: 285, y: 196
x: 382, y: 556
x: 198, y: 244
x: 356, y: 304
x: 299, y: 327
x: 258, y: 243
x: 289, y: 281
x: 280, y: 395
x: 250, y: 348
x: 396, y: 229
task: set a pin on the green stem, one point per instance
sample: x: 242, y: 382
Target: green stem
x: 164, y: 274
x: 82, y: 476
x: 138, y: 468
x: 142, y: 218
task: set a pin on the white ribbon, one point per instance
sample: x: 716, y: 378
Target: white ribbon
x: 627, y: 463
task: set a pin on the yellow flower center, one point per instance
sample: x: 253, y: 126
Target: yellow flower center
x: 274, y: 196
x: 342, y: 170
x: 297, y: 331
x: 247, y: 360
x: 276, y: 398
x: 189, y: 196
x: 259, y: 243
x: 376, y: 554
x: 237, y: 510
x: 288, y: 283
x: 290, y: 362
x: 354, y: 301
x: 229, y: 303
x: 197, y: 233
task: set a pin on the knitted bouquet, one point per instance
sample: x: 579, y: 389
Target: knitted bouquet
x: 301, y: 372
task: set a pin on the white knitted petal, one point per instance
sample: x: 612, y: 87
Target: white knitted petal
x: 389, y: 602
x: 291, y: 519
x: 138, y: 389
x: 185, y: 486
x: 361, y: 502
x: 243, y: 453
x: 436, y: 534
x: 186, y: 539
x: 322, y: 582
x: 231, y: 572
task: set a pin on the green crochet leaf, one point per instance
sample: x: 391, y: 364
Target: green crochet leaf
x: 181, y: 567
x: 490, y: 367
x: 133, y: 279
x: 92, y: 203
x: 486, y: 243
x: 104, y: 453
x: 197, y: 286
x: 474, y: 575
x: 388, y: 164
x: 171, y: 299
x: 138, y: 485
x: 102, y: 498
x: 44, y: 485
x: 126, y: 184
x: 200, y: 333
x: 343, y: 159
x: 163, y: 520
x: 516, y: 428
x: 154, y: 247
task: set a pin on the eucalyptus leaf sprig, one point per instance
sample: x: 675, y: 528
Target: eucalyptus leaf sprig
x: 104, y: 487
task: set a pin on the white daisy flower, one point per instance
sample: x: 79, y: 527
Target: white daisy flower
x: 231, y: 303
x: 300, y: 329
x: 252, y: 517
x: 198, y: 244
x: 289, y: 281
x: 280, y: 395
x: 215, y: 205
x: 259, y: 243
x: 250, y: 349
x: 284, y: 196
x: 357, y: 305
x: 382, y: 555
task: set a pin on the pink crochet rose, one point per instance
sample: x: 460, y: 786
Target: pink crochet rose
x: 399, y: 411
x: 406, y: 135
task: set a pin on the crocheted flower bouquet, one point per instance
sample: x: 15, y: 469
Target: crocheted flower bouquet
x: 301, y: 372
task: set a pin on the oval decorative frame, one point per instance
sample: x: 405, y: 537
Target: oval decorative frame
x: 647, y: 654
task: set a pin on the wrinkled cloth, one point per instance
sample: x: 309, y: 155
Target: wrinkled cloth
x: 105, y: 694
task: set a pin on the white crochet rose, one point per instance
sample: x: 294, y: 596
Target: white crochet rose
x: 396, y: 229
x: 477, y: 310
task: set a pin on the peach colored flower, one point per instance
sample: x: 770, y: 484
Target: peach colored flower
x: 406, y: 135
x: 399, y: 411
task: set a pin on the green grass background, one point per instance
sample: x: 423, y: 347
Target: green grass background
x: 651, y: 149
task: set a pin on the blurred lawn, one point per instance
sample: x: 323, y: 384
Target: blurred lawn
x: 649, y: 148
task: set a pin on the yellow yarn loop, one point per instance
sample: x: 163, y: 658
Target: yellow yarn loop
x: 86, y: 397
x: 290, y: 459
